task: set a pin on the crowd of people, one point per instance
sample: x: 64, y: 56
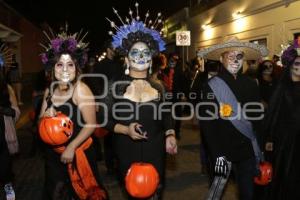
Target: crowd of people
x: 242, y: 112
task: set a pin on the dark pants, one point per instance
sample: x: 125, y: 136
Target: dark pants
x: 178, y: 113
x: 109, y: 153
x: 244, y: 172
x: 6, y: 174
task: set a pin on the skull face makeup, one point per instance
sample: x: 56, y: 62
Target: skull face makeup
x: 268, y: 68
x: 233, y: 61
x: 172, y: 63
x: 65, y: 69
x: 295, y: 69
x: 139, y: 57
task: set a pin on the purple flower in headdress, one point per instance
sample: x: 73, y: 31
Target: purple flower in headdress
x: 56, y: 43
x: 44, y: 58
x: 72, y: 43
x: 290, y: 54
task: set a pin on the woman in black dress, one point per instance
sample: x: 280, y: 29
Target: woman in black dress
x: 283, y: 129
x: 134, y: 103
x: 67, y: 94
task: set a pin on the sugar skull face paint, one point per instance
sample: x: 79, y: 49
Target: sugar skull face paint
x: 64, y: 69
x: 233, y: 61
x: 268, y: 68
x: 296, y: 67
x: 139, y: 56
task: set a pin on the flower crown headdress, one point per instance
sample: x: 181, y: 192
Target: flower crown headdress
x: 290, y: 52
x: 134, y: 30
x: 62, y: 43
x: 5, y: 56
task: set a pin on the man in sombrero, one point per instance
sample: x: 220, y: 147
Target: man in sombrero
x: 228, y: 125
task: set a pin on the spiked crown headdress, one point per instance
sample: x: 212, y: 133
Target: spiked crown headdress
x: 134, y: 30
x: 64, y: 43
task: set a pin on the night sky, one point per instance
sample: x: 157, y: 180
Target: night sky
x: 89, y: 14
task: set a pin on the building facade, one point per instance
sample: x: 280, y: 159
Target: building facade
x: 23, y: 38
x: 268, y: 22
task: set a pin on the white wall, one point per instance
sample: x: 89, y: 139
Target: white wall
x: 270, y: 19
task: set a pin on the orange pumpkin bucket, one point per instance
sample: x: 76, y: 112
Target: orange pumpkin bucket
x: 141, y: 180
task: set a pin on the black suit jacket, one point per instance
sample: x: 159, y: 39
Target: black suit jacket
x: 220, y: 136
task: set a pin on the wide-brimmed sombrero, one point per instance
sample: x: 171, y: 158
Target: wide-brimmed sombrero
x: 251, y: 51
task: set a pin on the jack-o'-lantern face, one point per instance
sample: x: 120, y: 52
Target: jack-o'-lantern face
x: 56, y: 130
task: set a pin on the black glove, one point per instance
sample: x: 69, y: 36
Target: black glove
x: 7, y: 111
x: 221, y: 167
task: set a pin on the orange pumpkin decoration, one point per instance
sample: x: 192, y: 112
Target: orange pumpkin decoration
x: 100, y: 132
x: 56, y: 130
x: 266, y: 172
x: 141, y: 180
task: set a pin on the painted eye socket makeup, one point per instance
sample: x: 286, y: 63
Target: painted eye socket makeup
x: 268, y: 66
x: 65, y: 63
x: 135, y: 53
x: 59, y: 65
x: 296, y: 64
x: 69, y: 66
x: 239, y: 56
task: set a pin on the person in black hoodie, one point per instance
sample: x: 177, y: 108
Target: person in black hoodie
x: 226, y: 130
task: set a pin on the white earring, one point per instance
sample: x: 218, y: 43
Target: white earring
x: 127, y: 70
x: 150, y: 69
